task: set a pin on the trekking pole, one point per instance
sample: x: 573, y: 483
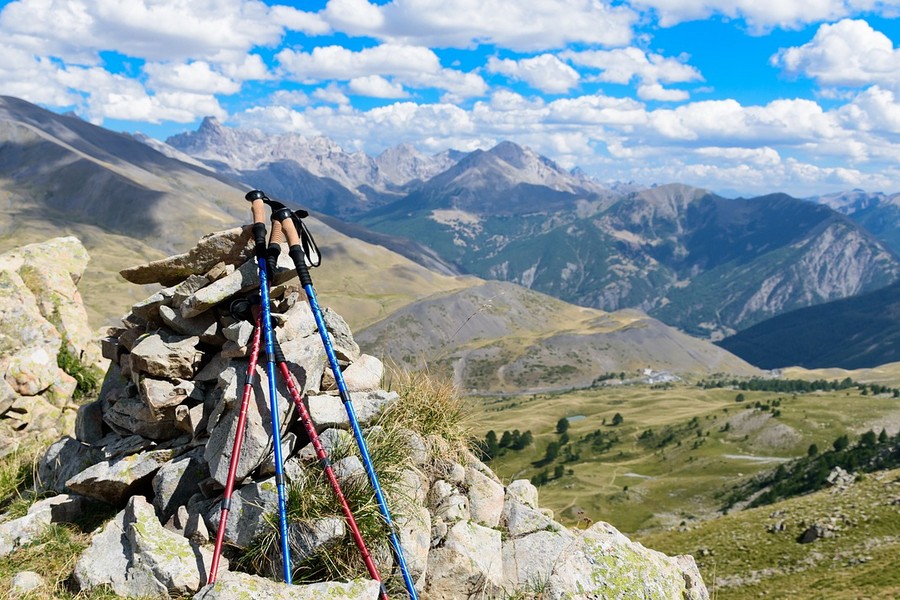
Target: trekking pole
x: 235, y: 453
x: 305, y: 418
x: 298, y: 256
x: 259, y: 235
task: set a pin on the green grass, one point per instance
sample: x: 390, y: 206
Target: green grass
x: 53, y: 556
x: 741, y: 559
x: 639, y: 484
x: 429, y: 407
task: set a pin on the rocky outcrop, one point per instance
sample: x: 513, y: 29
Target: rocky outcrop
x: 157, y: 445
x: 41, y: 315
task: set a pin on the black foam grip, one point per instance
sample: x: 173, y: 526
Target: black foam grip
x: 299, y: 258
x: 259, y: 236
x: 272, y: 259
x: 277, y: 352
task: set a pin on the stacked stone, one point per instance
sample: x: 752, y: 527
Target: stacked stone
x: 157, y: 443
x: 163, y: 425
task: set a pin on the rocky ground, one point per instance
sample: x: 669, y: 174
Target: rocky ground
x: 156, y: 445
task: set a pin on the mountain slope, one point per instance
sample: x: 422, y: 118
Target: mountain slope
x: 879, y: 213
x: 502, y: 337
x: 130, y: 204
x: 853, y: 333
x: 706, y: 264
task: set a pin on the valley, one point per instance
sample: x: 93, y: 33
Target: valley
x: 679, y: 449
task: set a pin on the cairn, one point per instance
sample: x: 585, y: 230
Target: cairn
x: 157, y: 443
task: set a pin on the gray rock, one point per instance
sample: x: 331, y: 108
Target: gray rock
x: 205, y: 327
x: 131, y: 415
x: 485, y: 498
x: 136, y: 556
x: 529, y: 561
x: 349, y: 471
x: 162, y: 396
x: 89, y: 422
x: 241, y: 586
x: 329, y: 411
x: 257, y: 442
x: 22, y: 531
x: 447, y: 502
x: 469, y: 563
x: 188, y: 287
x: 114, y: 481
x: 308, y: 538
x: 365, y: 374
x: 232, y: 246
x: 523, y: 492
x: 62, y: 508
x: 345, y: 347
x: 167, y: 356
x: 520, y: 519
x: 64, y: 459
x: 331, y: 439
x: 178, y: 480
x: 414, y: 531
x: 246, y: 520
x: 24, y: 583
x: 604, y: 563
x: 243, y: 279
x: 147, y: 310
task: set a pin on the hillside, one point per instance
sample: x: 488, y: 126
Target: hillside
x: 499, y: 336
x: 129, y: 204
x: 677, y: 452
x: 756, y: 553
x: 705, y: 264
x: 858, y: 332
x: 878, y: 212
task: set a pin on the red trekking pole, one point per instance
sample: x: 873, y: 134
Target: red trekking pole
x: 236, y: 450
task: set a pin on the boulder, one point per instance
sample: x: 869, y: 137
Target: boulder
x: 138, y: 557
x: 114, y: 481
x: 469, y: 563
x: 603, y: 563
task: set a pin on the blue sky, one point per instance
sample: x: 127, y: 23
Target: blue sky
x: 742, y: 97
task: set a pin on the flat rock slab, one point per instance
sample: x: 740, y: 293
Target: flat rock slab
x: 240, y: 586
x: 232, y: 246
x: 243, y: 279
x: 114, y: 481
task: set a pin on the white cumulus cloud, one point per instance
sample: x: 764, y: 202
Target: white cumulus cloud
x: 376, y: 86
x: 848, y: 53
x: 545, y: 72
x: 526, y: 26
x: 762, y: 15
x: 625, y: 64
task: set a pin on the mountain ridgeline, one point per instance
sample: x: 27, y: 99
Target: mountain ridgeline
x: 706, y: 264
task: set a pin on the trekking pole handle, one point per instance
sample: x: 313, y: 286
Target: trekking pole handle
x: 295, y: 250
x: 258, y: 209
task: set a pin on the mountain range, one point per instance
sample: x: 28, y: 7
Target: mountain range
x: 129, y: 203
x: 708, y: 265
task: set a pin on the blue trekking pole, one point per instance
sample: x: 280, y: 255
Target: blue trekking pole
x: 258, y: 209
x: 298, y: 250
